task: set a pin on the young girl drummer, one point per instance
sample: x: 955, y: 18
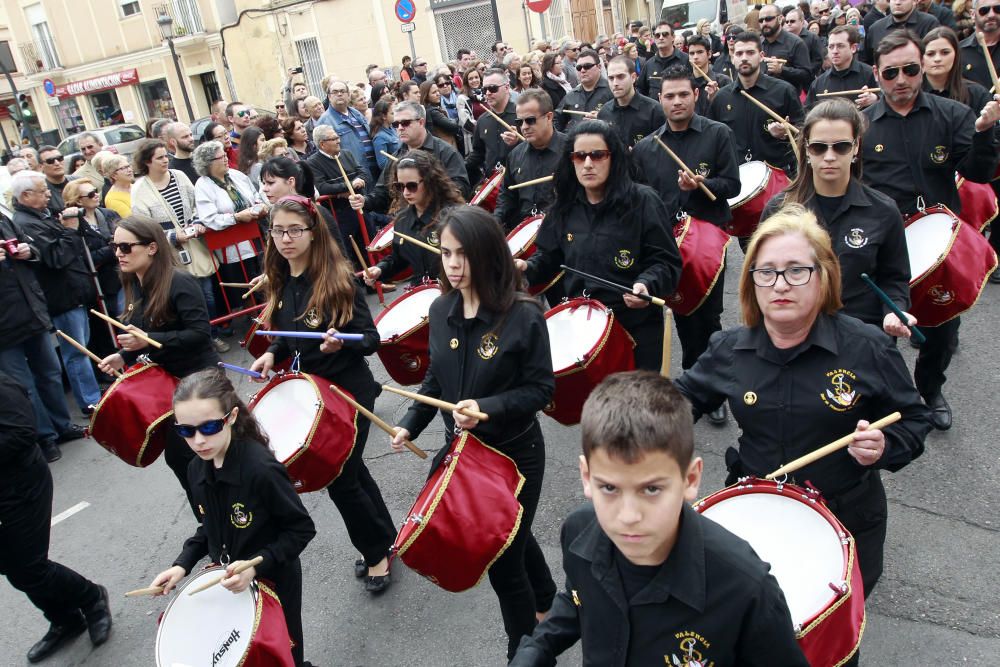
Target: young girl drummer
x: 489, y: 351
x: 247, y: 504
x: 313, y: 289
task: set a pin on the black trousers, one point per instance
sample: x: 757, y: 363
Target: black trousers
x: 178, y: 456
x: 935, y: 357
x: 288, y: 586
x: 648, y: 337
x: 25, y: 516
x: 695, y: 329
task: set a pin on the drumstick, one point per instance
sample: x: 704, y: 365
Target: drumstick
x: 72, y: 341
x: 310, y: 334
x: 917, y: 334
x: 425, y: 246
x: 438, y: 403
x: 390, y: 156
x: 981, y: 38
x: 127, y: 328
x: 260, y: 283
x: 839, y: 443
x: 246, y: 565
x: 860, y: 91
x: 655, y: 300
x: 343, y: 174
x: 702, y: 73
x: 534, y: 181
x: 577, y: 113
x: 359, y: 255
x: 687, y: 170
x: 240, y: 369
x: 152, y: 590
x: 503, y: 122
x: 668, y: 330
x: 239, y: 285
x: 770, y: 112
x: 378, y: 421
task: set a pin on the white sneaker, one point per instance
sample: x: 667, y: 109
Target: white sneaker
x: 221, y: 346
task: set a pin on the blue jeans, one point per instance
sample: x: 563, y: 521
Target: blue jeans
x: 78, y: 367
x: 33, y: 363
x: 207, y: 285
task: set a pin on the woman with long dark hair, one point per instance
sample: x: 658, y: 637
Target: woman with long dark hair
x: 312, y: 288
x: 281, y: 176
x: 553, y: 80
x: 298, y: 139
x: 489, y: 340
x: 603, y: 223
x: 440, y: 125
x: 247, y: 159
x: 943, y: 70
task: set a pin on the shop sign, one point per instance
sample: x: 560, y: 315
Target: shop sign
x: 128, y: 77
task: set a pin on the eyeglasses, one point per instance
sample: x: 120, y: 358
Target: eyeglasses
x: 585, y: 67
x: 527, y: 120
x: 819, y: 148
x: 910, y: 69
x: 442, y: 84
x: 293, y: 233
x: 396, y: 124
x: 409, y: 186
x: 53, y: 160
x: 125, y: 248
x: 124, y: 166
x: 219, y: 157
x: 662, y: 34
x: 339, y: 91
x: 983, y: 11
x: 211, y: 427
x: 795, y: 276
x: 595, y: 156
x: 494, y: 88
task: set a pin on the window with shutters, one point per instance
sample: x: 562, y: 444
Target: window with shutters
x: 312, y: 65
x: 129, y: 7
x: 468, y: 25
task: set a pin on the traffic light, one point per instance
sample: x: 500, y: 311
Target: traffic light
x: 26, y: 112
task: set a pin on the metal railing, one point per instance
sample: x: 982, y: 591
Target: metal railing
x: 39, y: 57
x: 185, y: 14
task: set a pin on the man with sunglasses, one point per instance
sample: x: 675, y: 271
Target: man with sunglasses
x: 648, y: 82
x: 570, y: 51
x: 491, y: 142
x: 53, y: 166
x: 912, y: 149
x: 89, y: 145
x: 846, y: 71
x: 987, y: 16
x: 780, y: 45
x: 590, y: 95
x: 903, y: 15
x: 238, y: 115
x: 631, y: 116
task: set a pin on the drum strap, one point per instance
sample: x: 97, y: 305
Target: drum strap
x: 850, y: 496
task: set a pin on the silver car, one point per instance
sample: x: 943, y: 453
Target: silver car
x: 121, y: 139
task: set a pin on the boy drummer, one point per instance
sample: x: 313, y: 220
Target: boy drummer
x: 648, y: 579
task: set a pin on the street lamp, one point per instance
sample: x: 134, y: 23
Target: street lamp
x: 166, y: 24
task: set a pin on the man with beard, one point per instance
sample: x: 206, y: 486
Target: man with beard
x: 903, y: 15
x: 589, y: 96
x: 879, y: 10
x: 780, y: 45
x: 987, y: 16
x: 632, y: 116
x: 666, y: 55
x: 180, y: 145
x: 846, y: 71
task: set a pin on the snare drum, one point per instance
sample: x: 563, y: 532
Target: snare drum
x: 464, y: 518
x: 403, y: 334
x: 587, y: 344
x: 703, y: 252
x: 223, y: 629
x: 252, y: 343
x: 521, y: 240
x: 489, y: 190
x: 311, y: 429
x: 759, y: 182
x: 979, y: 202
x: 812, y: 556
x: 131, y: 419
x: 949, y: 264
x: 381, y: 247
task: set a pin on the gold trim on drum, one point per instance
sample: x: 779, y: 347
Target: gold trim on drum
x: 931, y: 210
x: 996, y: 203
x: 979, y: 294
x: 718, y: 272
x: 419, y: 325
x: 149, y: 429
x: 258, y: 613
x: 760, y: 188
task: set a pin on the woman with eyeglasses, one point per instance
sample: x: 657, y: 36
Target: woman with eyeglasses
x: 166, y: 305
x: 119, y: 173
x: 312, y: 288
x: 218, y: 132
x: 232, y: 461
x: 422, y: 192
x: 281, y: 176
x: 800, y: 373
x: 553, y: 80
x: 865, y: 225
x: 605, y: 224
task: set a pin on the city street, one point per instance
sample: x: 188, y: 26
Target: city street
x: 936, y: 602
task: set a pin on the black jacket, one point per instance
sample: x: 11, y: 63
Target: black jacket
x: 527, y: 163
x: 555, y: 91
x: 798, y: 70
x: 26, y: 313
x: 918, y: 23
x: 425, y: 264
x: 650, y: 79
x: 488, y: 148
x: 713, y: 595
x: 329, y: 182
x: 579, y: 99
x: 975, y: 62
x: 640, y: 117
x: 18, y: 452
x: 102, y: 254
x: 379, y: 198
x: 856, y: 76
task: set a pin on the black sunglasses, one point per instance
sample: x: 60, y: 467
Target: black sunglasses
x: 585, y: 67
x: 90, y: 195
x: 494, y: 88
x: 662, y: 34
x: 443, y: 83
x: 396, y: 124
x: 409, y: 186
x: 53, y: 160
x: 211, y: 427
x: 983, y: 11
x: 595, y: 156
x: 890, y: 73
x: 819, y: 148
x: 126, y: 248
x: 768, y: 19
x: 527, y: 120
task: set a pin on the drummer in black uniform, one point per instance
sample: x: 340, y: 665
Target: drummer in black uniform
x: 605, y: 224
x: 489, y: 351
x: 987, y: 17
x: 846, y: 72
x: 914, y: 144
x: 590, y: 95
x: 313, y: 289
x: 492, y: 142
x: 247, y: 503
x: 780, y: 45
x: 699, y: 55
x: 534, y: 158
x: 631, y: 115
x: 666, y: 56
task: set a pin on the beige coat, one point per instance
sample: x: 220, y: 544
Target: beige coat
x: 149, y: 203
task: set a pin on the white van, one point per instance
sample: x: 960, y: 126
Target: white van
x: 683, y: 15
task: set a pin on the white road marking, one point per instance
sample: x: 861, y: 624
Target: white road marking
x: 62, y: 516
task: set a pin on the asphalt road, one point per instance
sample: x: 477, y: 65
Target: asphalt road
x: 936, y: 602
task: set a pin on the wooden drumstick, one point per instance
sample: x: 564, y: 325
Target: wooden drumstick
x: 702, y: 73
x: 260, y: 284
x: 503, y: 122
x: 839, y: 443
x: 237, y: 285
x: 860, y: 91
x: 770, y: 112
x: 378, y: 421
x: 438, y: 403
x: 242, y: 567
x: 127, y: 329
x: 981, y: 38
x: 668, y: 330
x: 577, y: 113
x: 360, y: 255
x: 390, y: 156
x: 687, y: 170
x: 417, y: 242
x: 534, y: 181
x: 152, y: 590
x: 343, y: 174
x: 93, y: 357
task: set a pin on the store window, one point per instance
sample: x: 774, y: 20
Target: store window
x: 159, y: 104
x: 70, y: 117
x: 107, y: 109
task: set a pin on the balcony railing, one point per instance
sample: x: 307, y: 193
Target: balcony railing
x: 185, y: 14
x: 39, y: 57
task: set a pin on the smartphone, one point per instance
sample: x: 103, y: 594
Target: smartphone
x: 184, y: 256
x: 297, y: 70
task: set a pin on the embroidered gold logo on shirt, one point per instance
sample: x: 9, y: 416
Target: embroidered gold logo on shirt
x: 841, y: 396
x: 690, y: 656
x: 453, y: 343
x: 433, y: 238
x: 488, y: 346
x: 750, y: 398
x: 239, y: 518
x: 939, y: 155
x: 311, y: 319
x: 856, y: 238
x: 569, y: 237
x: 624, y: 259
x: 703, y: 169
x: 879, y: 148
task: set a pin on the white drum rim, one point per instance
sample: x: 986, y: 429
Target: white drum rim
x: 489, y: 186
x: 740, y: 199
x: 943, y: 256
x: 416, y: 326
x: 278, y: 381
x: 574, y: 305
x: 520, y: 229
x: 378, y: 243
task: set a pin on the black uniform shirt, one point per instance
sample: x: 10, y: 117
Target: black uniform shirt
x: 867, y: 233
x: 579, y: 99
x: 918, y: 154
x: 798, y: 70
x: 248, y: 509
x: 789, y: 402
x: 724, y: 65
x: 640, y: 117
x: 707, y: 148
x: 453, y: 163
x: 713, y: 600
x: 425, y: 264
x: 816, y: 48
x: 488, y: 147
x: 624, y: 246
x: 650, y: 80
x: 503, y: 362
x: 527, y: 163
x: 855, y: 76
x: 749, y: 123
x: 703, y: 104
x: 974, y: 63
x: 918, y: 23
x: 186, y: 339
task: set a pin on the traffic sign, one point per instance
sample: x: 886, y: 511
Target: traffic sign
x: 538, y: 5
x: 408, y: 27
x: 49, y: 86
x: 405, y: 10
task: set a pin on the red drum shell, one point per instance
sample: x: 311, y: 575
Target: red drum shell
x: 761, y: 185
x: 950, y: 263
x: 832, y: 634
x: 464, y: 518
x: 311, y: 429
x: 381, y: 247
x: 252, y: 343
x: 979, y: 203
x: 612, y: 352
x: 406, y: 355
x: 703, y: 252
x: 521, y: 242
x: 131, y: 419
x: 488, y: 191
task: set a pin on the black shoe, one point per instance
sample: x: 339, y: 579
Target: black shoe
x: 718, y: 416
x: 50, y: 450
x: 914, y: 344
x: 54, y: 639
x: 360, y: 568
x: 377, y: 585
x: 995, y: 277
x: 89, y: 410
x: 940, y: 412
x: 74, y: 432
x: 98, y: 617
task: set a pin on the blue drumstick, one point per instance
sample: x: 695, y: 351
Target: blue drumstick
x: 311, y: 334
x: 917, y: 334
x: 240, y: 369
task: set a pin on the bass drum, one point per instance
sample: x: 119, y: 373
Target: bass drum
x: 488, y: 191
x: 381, y: 247
x: 703, y: 253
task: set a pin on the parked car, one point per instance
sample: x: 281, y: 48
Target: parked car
x: 122, y: 139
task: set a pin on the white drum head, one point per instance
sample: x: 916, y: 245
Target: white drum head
x: 753, y: 176
x: 521, y: 238
x: 574, y: 333
x: 286, y: 413
x: 383, y: 239
x: 214, y: 627
x: 804, y: 550
x: 406, y: 313
x: 926, y: 240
